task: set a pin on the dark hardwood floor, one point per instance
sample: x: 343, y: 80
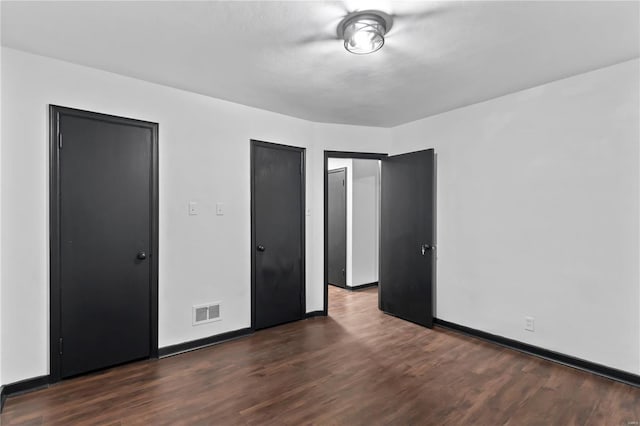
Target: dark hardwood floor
x: 358, y: 366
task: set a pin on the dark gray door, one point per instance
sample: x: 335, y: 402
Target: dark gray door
x: 105, y: 242
x: 278, y: 234
x: 337, y: 229
x: 407, y: 253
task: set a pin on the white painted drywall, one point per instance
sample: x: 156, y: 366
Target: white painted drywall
x: 204, y: 156
x: 338, y: 163
x: 365, y: 185
x: 538, y: 215
x: 537, y: 206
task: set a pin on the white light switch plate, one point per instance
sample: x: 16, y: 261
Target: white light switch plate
x: 220, y: 209
x: 193, y: 208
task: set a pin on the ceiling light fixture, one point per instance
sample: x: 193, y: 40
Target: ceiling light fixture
x: 363, y: 32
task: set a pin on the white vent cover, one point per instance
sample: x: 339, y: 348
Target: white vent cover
x: 206, y: 313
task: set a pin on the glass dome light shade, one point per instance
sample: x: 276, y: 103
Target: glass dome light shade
x: 363, y: 35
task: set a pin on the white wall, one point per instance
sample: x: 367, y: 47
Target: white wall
x: 365, y: 184
x: 538, y: 214
x: 204, y: 156
x: 538, y: 195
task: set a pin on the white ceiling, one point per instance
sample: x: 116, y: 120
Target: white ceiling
x: 283, y: 55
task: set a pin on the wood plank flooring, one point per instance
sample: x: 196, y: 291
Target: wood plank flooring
x: 355, y: 367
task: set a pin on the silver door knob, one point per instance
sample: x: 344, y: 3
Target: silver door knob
x: 425, y: 247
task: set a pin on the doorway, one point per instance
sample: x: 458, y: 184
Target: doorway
x: 353, y: 222
x: 390, y: 224
x: 277, y: 234
x: 103, y: 242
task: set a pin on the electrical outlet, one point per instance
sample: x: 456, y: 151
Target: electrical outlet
x: 220, y: 209
x: 529, y: 323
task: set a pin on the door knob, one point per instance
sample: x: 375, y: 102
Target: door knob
x: 142, y: 255
x: 260, y: 247
x: 425, y: 247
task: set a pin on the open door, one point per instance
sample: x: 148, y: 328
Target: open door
x: 407, y: 251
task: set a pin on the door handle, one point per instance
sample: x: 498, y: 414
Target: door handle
x: 425, y: 247
x: 141, y: 255
x: 260, y: 247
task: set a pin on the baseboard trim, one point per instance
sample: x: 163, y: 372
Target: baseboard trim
x: 361, y: 286
x: 23, y: 386
x: 202, y: 343
x: 339, y: 286
x: 315, y: 314
x: 570, y: 361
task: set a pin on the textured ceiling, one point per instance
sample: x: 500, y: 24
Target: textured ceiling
x: 283, y: 55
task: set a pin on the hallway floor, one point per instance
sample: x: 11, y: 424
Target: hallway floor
x: 358, y: 366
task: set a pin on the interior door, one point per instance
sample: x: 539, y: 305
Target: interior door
x: 407, y: 252
x: 278, y: 234
x: 337, y: 229
x: 106, y: 210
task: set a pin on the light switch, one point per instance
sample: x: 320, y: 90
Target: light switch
x: 220, y: 209
x: 193, y: 208
x: 308, y: 212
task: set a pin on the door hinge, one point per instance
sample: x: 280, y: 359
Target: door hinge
x: 59, y: 140
x: 342, y: 182
x: 60, y: 342
x: 343, y: 273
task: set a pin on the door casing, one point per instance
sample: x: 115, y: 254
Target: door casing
x: 55, y: 235
x: 327, y: 155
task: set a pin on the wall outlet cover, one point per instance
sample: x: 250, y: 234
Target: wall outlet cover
x: 529, y: 323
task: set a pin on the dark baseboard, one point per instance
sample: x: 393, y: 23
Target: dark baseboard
x: 22, y: 386
x: 36, y: 383
x: 580, y: 364
x: 361, y: 286
x: 201, y: 343
x: 315, y: 314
